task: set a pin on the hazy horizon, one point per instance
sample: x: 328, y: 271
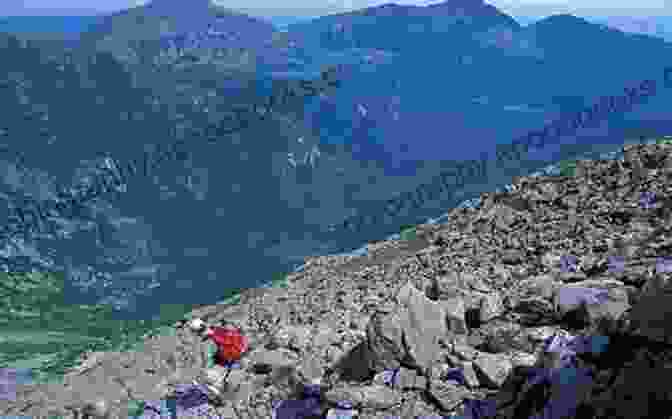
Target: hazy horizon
x: 646, y: 8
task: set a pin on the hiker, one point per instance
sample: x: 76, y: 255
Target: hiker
x: 231, y: 343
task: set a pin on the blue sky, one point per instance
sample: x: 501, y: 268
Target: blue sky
x: 27, y: 7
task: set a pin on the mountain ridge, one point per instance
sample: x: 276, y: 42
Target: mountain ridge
x: 236, y: 212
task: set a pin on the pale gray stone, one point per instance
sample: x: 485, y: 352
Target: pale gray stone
x: 492, y: 369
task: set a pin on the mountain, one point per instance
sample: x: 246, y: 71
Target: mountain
x: 658, y: 26
x: 395, y: 96
x: 420, y: 88
x: 410, y: 124
x: 635, y: 20
x: 551, y: 35
x: 99, y: 87
x: 160, y: 17
x: 399, y: 27
x: 165, y: 241
x: 481, y: 80
x: 476, y: 42
x: 126, y: 249
x: 141, y: 32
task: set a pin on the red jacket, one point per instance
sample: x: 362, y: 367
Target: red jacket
x: 231, y: 344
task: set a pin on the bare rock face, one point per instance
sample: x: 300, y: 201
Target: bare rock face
x: 652, y: 315
x: 224, y: 384
x: 98, y: 409
x: 385, y: 340
x: 513, y: 310
x: 423, y: 324
x: 409, y: 335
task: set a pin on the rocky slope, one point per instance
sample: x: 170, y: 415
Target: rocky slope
x: 470, y: 310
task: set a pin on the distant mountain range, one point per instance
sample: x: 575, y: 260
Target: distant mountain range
x: 423, y: 86
x: 659, y: 26
x: 656, y: 23
x: 631, y: 21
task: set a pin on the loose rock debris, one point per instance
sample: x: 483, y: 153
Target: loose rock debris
x: 552, y: 300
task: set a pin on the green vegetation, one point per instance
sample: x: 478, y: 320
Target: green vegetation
x: 407, y: 232
x: 40, y: 331
x: 212, y: 350
x: 136, y: 408
x: 567, y: 167
x: 279, y: 280
x: 36, y: 323
x: 664, y: 140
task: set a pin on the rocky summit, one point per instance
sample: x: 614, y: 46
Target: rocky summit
x: 550, y: 300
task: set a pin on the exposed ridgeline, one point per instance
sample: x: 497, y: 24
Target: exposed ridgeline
x: 199, y: 54
x: 165, y: 38
x: 398, y: 28
x: 554, y: 295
